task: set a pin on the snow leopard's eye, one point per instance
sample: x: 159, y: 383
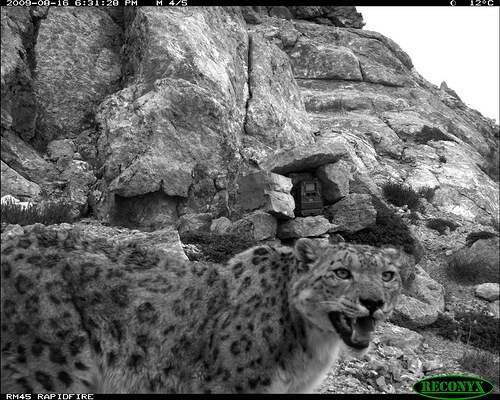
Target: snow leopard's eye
x: 343, y: 273
x: 387, y: 276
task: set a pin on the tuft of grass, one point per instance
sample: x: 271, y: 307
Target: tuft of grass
x: 482, y: 364
x: 440, y: 225
x: 475, y: 236
x: 478, y: 330
x: 54, y: 212
x: 218, y: 248
x: 427, y: 193
x: 389, y: 229
x: 401, y: 195
x: 468, y: 270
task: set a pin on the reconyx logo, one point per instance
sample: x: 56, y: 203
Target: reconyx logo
x: 452, y: 387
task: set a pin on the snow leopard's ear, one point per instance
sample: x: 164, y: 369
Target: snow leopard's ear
x: 307, y: 253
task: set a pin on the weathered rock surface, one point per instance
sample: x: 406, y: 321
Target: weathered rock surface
x: 397, y: 336
x: 324, y: 61
x: 178, y: 92
x: 335, y: 180
x: 191, y: 223
x: 78, y: 63
x: 78, y: 180
x: 303, y: 158
x: 23, y: 159
x: 275, y: 109
x: 165, y: 240
x: 152, y: 210
x: 426, y: 289
x: 250, y: 15
x: 345, y: 16
x: 268, y: 192
x: 488, y: 291
x: 17, y: 185
x: 401, y: 127
x: 259, y: 226
x: 61, y: 148
x: 353, y: 213
x: 494, y: 308
x: 305, y: 227
x: 412, y: 313
x: 19, y: 34
x: 184, y: 104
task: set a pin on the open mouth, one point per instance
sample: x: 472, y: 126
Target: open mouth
x: 355, y: 332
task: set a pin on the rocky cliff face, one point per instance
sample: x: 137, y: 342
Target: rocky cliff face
x: 146, y: 114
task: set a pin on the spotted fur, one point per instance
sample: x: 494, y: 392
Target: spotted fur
x: 82, y: 314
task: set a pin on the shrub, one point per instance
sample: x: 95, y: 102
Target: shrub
x: 482, y: 364
x: 440, y: 225
x: 427, y: 193
x: 477, y: 330
x: 401, y: 195
x: 413, y: 218
x: 467, y: 270
x: 475, y: 236
x: 219, y: 248
x: 389, y: 229
x: 442, y: 159
x: 54, y: 212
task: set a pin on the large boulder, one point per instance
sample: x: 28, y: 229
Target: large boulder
x: 259, y: 226
x: 412, y: 313
x: 397, y: 336
x: 165, y: 240
x: 27, y: 162
x: 353, y: 213
x: 17, y: 185
x: 268, y: 192
x: 305, y: 227
x: 191, y: 223
x: 335, y: 180
x: 421, y: 286
x: 303, y: 158
x: 78, y: 180
x: 488, y: 291
x: 494, y: 308
x: 152, y: 210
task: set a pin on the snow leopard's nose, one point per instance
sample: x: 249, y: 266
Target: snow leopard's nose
x: 371, y: 304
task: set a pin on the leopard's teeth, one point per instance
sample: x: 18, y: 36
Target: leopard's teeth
x: 344, y: 323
